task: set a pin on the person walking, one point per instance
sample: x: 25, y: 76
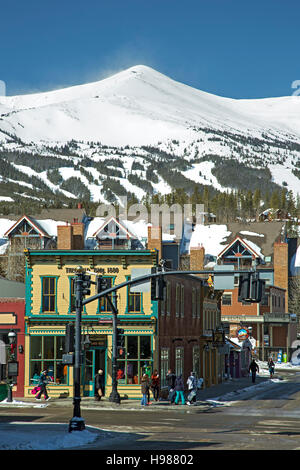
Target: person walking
x: 170, y: 379
x: 192, y: 388
x: 99, y: 385
x: 155, y: 385
x: 271, y: 366
x: 43, y: 386
x: 144, y: 389
x: 179, y: 389
x: 253, y: 368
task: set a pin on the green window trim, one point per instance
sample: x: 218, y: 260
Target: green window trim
x: 104, y: 312
x: 54, y: 312
x: 28, y: 291
x: 135, y: 312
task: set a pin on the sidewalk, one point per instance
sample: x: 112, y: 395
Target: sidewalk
x: 229, y: 390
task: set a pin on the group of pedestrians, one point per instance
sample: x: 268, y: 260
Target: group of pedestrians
x: 176, y: 388
x: 149, y: 383
x: 253, y: 368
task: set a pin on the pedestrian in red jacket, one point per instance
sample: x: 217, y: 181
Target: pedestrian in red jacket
x: 155, y: 385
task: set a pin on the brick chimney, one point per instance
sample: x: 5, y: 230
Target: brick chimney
x: 155, y: 240
x: 64, y: 237
x: 281, y: 268
x: 78, y: 235
x: 197, y: 258
x: 70, y: 236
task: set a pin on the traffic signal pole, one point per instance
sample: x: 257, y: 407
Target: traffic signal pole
x: 148, y: 277
x: 77, y: 422
x: 114, y: 396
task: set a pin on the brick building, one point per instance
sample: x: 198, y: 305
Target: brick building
x: 272, y: 328
x: 12, y: 312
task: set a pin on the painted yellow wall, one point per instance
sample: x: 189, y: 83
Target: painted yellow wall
x: 51, y: 266
x: 46, y: 268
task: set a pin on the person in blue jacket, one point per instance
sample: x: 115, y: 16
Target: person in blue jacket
x: 43, y: 384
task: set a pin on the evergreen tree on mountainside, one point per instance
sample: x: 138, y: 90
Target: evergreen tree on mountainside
x: 275, y: 200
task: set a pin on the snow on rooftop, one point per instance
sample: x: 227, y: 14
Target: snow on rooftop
x: 254, y: 247
x: 5, y: 224
x: 252, y: 234
x: 50, y: 226
x: 212, y: 237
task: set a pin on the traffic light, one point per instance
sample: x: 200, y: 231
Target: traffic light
x: 120, y: 342
x: 244, y: 287
x: 120, y: 338
x: 258, y: 289
x: 251, y: 288
x: 157, y: 285
x: 86, y: 284
x: 69, y: 339
x: 102, y: 284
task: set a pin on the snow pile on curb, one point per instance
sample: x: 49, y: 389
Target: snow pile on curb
x: 44, y: 436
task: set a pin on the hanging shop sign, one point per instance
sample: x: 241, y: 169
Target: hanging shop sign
x: 242, y: 334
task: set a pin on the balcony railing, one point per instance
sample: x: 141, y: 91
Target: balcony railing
x: 277, y: 317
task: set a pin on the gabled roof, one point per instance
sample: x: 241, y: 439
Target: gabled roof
x: 256, y: 255
x: 31, y: 222
x: 122, y: 226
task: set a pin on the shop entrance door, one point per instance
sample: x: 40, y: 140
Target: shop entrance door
x: 95, y: 359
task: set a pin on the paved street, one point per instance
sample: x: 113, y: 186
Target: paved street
x: 263, y: 417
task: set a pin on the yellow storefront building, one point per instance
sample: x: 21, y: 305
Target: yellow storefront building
x: 50, y: 306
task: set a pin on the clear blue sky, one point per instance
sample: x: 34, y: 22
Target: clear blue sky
x: 234, y: 48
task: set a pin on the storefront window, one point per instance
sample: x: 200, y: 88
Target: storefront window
x: 131, y: 368
x: 49, y: 347
x: 196, y: 360
x: 145, y: 347
x: 46, y: 353
x: 36, y: 347
x: 132, y: 347
x: 164, y: 366
x: 179, y: 357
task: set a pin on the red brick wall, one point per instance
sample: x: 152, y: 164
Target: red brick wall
x: 236, y: 307
x: 183, y: 332
x: 17, y: 308
x: 281, y: 268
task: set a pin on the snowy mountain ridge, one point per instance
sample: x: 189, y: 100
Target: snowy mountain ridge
x: 139, y: 120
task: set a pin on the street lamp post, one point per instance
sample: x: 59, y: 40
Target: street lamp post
x: 12, y: 337
x: 77, y: 422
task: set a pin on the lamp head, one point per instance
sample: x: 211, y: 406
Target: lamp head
x: 12, y: 337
